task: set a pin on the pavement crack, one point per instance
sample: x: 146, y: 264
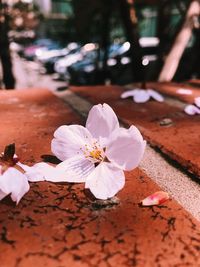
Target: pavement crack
x: 4, y: 237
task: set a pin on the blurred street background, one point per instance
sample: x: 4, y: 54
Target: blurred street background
x: 57, y: 43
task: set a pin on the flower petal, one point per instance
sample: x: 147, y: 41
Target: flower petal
x: 105, y: 181
x: 73, y: 170
x: 141, y: 96
x: 191, y: 110
x: 40, y: 172
x: 155, y: 199
x: 155, y: 95
x: 101, y: 122
x: 31, y: 173
x: 126, y: 148
x: 129, y: 93
x: 69, y: 140
x: 76, y: 170
x: 2, y: 194
x: 197, y: 101
x: 15, y: 183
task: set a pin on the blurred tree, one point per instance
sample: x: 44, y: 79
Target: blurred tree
x: 8, y: 77
x: 130, y: 22
x: 91, y: 27
x: 168, y: 26
x: 163, y: 27
x: 87, y: 19
x: 190, y: 22
x: 93, y: 21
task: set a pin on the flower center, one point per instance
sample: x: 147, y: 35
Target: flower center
x: 94, y: 153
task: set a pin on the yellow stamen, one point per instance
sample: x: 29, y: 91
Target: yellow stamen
x: 96, y: 154
x: 93, y: 152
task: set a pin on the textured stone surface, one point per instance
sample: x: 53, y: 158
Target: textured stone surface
x: 59, y: 225
x: 29, y: 118
x: 164, y: 126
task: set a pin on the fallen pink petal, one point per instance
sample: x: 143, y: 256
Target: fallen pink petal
x: 191, y: 110
x: 157, y: 198
x: 142, y: 95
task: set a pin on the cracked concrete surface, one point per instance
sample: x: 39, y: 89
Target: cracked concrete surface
x: 60, y: 227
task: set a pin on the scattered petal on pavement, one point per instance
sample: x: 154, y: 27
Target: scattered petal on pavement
x: 155, y: 199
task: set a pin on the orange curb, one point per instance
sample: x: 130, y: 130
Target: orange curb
x: 58, y: 225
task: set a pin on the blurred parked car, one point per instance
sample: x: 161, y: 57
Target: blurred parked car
x: 38, y: 47
x: 119, y: 69
x: 83, y: 65
x: 47, y: 59
x: 61, y: 66
x: 85, y: 71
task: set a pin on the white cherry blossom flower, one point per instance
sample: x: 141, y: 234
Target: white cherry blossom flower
x: 96, y: 154
x: 142, y: 95
x: 13, y: 181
